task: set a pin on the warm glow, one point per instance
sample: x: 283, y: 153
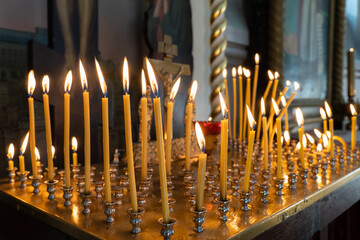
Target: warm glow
x: 288, y: 83
x: 287, y: 136
x: 74, y: 144
x: 125, y: 76
x: 247, y: 73
x: 101, y: 79
x: 299, y: 117
x: 310, y: 138
x: 143, y: 82
x: 24, y: 144
x: 84, y: 83
x: 233, y: 72
x: 11, y: 151
x: 46, y: 84
x: 304, y: 141
x: 317, y: 133
x: 37, y: 153
x: 322, y: 113
x: 193, y: 90
x: 263, y: 110
x: 352, y: 109
x: 296, y: 86
x: 275, y: 106
x: 68, y: 82
x: 175, y: 89
x: 328, y: 134
x: 297, y: 146
x: 31, y: 83
x: 282, y: 140
x: 200, y: 137
x: 283, y: 101
x: 223, y: 105
x: 257, y: 58
x: 319, y: 147
x: 325, y: 141
x: 328, y: 109
x: 240, y: 71
x: 224, y: 73
x: 209, y: 119
x: 250, y: 117
x: 53, y: 151
x: 271, y: 75
x: 151, y: 75
x: 276, y: 75
x: 351, y: 49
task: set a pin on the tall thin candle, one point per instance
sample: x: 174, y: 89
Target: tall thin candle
x: 331, y: 128
x: 256, y: 75
x: 10, y: 156
x: 67, y: 88
x: 223, y: 149
x: 353, y: 127
x: 22, y: 152
x: 300, y: 122
x: 31, y: 89
x: 241, y: 104
x: 265, y: 135
x: 224, y: 73
x: 247, y: 100
x: 234, y: 114
x: 188, y: 123
x: 324, y: 118
x: 201, y: 168
x: 278, y: 140
x: 144, y: 132
x: 252, y: 124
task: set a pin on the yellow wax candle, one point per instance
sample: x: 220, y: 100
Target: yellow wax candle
x: 234, y: 102
x: 128, y: 138
x: 265, y: 135
x: 273, y: 95
x: 331, y: 129
x: 74, y: 146
x: 279, y: 99
x: 241, y: 107
x: 188, y: 124
x: 250, y: 150
x: 169, y: 126
x: 201, y: 168
x: 283, y: 102
x: 144, y: 133
x: 297, y: 87
x: 300, y: 121
x: 247, y: 100
x: 46, y: 86
x: 323, y: 117
x: 160, y: 143
x: 87, y: 136
x: 278, y: 140
x: 68, y: 82
x: 256, y: 74
x: 224, y: 73
x: 10, y: 156
x: 31, y: 89
x: 105, y: 122
x: 223, y: 150
x: 22, y: 152
x: 353, y: 127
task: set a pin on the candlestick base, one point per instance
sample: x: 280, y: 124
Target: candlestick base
x: 235, y: 187
x: 279, y: 185
x: 324, y: 166
x: 172, y: 202
x: 136, y: 219
x: 11, y: 174
x: 190, y: 187
x: 36, y: 184
x: 109, y: 212
x: 86, y: 202
x: 198, y: 219
x: 118, y: 194
x: 23, y: 178
x: 99, y: 187
x: 265, y: 174
x: 80, y: 182
x: 51, y: 188
x: 68, y: 195
x: 264, y: 192
x: 167, y: 229
x: 141, y: 199
x: 223, y: 209
x: 144, y: 187
x: 304, y: 175
x: 215, y: 194
x: 75, y: 169
x: 314, y: 171
x: 209, y: 183
x: 292, y: 180
x: 245, y: 200
x: 192, y: 200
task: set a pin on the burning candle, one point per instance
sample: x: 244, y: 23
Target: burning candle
x: 247, y: 100
x: 67, y: 87
x: 323, y: 117
x: 311, y: 140
x: 201, y: 168
x: 224, y: 73
x: 105, y: 123
x: 278, y: 140
x: 353, y: 127
x: 188, y: 124
x: 283, y: 103
x: 10, y: 156
x: 265, y: 135
x: 318, y: 152
x: 241, y: 107
x: 160, y: 142
x: 37, y: 154
x: 74, y: 147
x: 256, y: 74
x: 300, y: 122
x: 223, y: 149
x: 331, y: 128
x: 273, y: 95
x: 325, y: 141
x: 296, y: 88
x: 128, y: 138
x: 22, y: 152
x: 252, y: 124
x: 87, y: 136
x: 234, y: 102
x: 31, y: 89
x: 287, y: 137
x: 169, y: 125
x: 144, y: 132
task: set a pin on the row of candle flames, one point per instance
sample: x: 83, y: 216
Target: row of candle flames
x: 246, y: 131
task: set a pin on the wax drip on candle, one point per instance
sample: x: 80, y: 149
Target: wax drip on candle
x: 84, y: 83
x: 24, y: 144
x: 101, y: 79
x: 11, y: 151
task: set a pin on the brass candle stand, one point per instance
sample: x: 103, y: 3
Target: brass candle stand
x: 118, y: 194
x: 23, y: 178
x: 75, y: 169
x: 198, y: 218
x: 99, y: 187
x: 264, y: 192
x: 36, y: 184
x: 11, y: 174
x: 223, y: 209
x: 292, y: 180
x: 167, y: 229
x: 136, y: 219
x: 68, y: 195
x: 51, y: 188
x: 279, y: 185
x: 304, y: 175
x: 109, y: 212
x: 245, y: 200
x: 235, y: 186
x: 86, y: 202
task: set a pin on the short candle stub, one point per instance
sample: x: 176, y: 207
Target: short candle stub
x: 136, y: 219
x: 167, y: 229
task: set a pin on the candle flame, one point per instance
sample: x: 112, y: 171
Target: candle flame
x: 322, y: 113
x: 351, y: 49
x: 126, y: 76
x: 288, y: 83
x: 11, y: 151
x: 287, y: 136
x: 194, y: 87
x: 299, y: 117
x: 247, y: 73
x: 151, y: 75
x: 233, y: 72
x: 143, y: 83
x: 46, y: 84
x: 257, y: 58
x: 283, y: 101
x: 317, y: 133
x: 297, y: 146
x: 101, y: 79
x: 224, y: 73
x: 84, y: 83
x: 31, y: 83
x: 209, y: 119
x: 24, y: 144
x: 296, y: 86
x: 328, y: 134
x: 74, y: 144
x: 175, y: 89
x: 319, y: 147
x: 53, y: 151
x: 223, y: 105
x: 304, y: 141
x: 310, y: 138
x: 68, y: 82
x: 276, y: 75
x: 251, y: 118
x: 325, y: 141
x: 271, y: 75
x: 275, y: 106
x: 328, y: 110
x: 263, y: 110
x: 37, y: 153
x: 200, y: 137
x: 240, y: 71
x: 352, y: 109
x: 282, y: 140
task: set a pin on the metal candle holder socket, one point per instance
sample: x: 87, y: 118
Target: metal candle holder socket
x: 209, y: 182
x: 245, y: 200
x: 141, y: 198
x: 80, y: 182
x: 51, y: 188
x: 215, y: 194
x: 172, y: 202
x: 188, y: 175
x: 144, y: 187
x: 252, y: 182
x: 324, y: 166
x: 118, y: 194
x: 86, y: 202
x: 265, y: 175
x: 136, y: 219
x: 279, y: 185
x: 67, y: 195
x: 11, y: 174
x: 190, y: 187
x: 223, y: 208
x: 109, y: 212
x: 75, y: 169
x: 99, y: 187
x: 36, y: 184
x: 314, y: 171
x: 304, y: 175
x: 192, y: 200
x: 167, y: 229
x: 264, y: 192
x: 23, y: 178
x: 292, y: 180
x: 235, y: 187
x: 198, y: 219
